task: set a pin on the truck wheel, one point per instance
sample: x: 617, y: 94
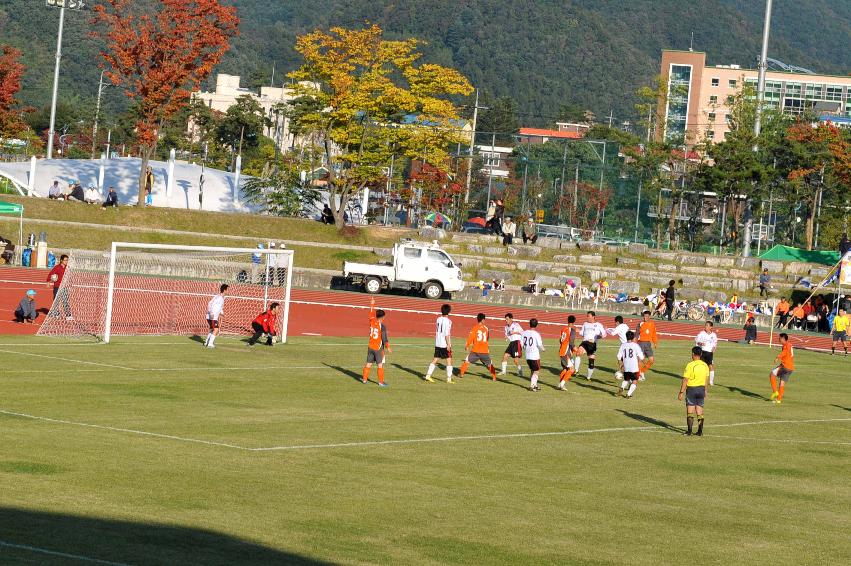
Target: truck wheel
x: 433, y: 290
x: 372, y: 285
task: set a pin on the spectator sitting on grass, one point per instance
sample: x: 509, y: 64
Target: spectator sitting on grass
x: 77, y: 193
x: 26, y: 309
x: 55, y: 192
x: 111, y: 199
x: 92, y: 195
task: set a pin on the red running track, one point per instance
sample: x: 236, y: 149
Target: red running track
x: 337, y: 313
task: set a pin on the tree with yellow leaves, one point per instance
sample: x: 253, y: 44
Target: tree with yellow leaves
x: 357, y: 95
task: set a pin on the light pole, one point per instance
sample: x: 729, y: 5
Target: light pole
x: 101, y: 86
x: 61, y: 4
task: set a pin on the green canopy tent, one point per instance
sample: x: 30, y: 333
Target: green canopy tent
x: 786, y: 253
x: 12, y: 208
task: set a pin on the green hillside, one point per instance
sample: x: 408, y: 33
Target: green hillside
x: 542, y: 52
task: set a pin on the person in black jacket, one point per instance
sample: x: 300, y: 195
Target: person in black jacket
x: 844, y: 245
x: 111, y: 199
x: 670, y: 296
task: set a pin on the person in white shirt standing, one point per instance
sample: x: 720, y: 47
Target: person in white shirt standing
x: 708, y: 342
x: 629, y: 356
x: 620, y: 330
x: 442, y: 344
x: 215, y: 310
x: 533, y: 345
x: 591, y: 331
x: 513, y: 333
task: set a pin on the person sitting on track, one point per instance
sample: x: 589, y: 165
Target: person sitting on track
x: 26, y: 311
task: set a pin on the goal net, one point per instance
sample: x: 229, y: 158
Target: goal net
x: 159, y: 289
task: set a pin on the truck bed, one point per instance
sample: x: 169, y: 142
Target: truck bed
x: 351, y: 268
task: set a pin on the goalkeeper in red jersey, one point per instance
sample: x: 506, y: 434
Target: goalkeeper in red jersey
x: 266, y: 323
x: 378, y: 342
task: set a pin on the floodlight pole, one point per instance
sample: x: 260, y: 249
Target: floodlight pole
x: 52, y: 131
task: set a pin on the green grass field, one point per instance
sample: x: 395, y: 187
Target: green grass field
x: 156, y: 451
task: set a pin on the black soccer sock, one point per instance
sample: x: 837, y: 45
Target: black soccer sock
x: 832, y: 350
x: 590, y: 363
x: 699, y: 424
x: 690, y: 423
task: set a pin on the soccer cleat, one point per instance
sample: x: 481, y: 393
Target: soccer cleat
x: 382, y: 384
x: 641, y: 377
x: 699, y: 433
x: 364, y: 381
x: 449, y: 380
x: 429, y: 379
x: 536, y: 388
x: 688, y: 433
x: 502, y: 373
x: 774, y: 396
x: 779, y: 401
x: 562, y: 387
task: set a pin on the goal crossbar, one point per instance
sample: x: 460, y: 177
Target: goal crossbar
x: 267, y: 253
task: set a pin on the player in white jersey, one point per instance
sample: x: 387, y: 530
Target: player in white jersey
x: 513, y: 333
x: 442, y: 344
x: 215, y: 309
x: 533, y: 345
x: 591, y: 331
x: 708, y: 342
x: 620, y: 330
x: 630, y: 357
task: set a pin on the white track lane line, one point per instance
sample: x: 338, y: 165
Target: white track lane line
x: 177, y: 369
x: 61, y: 554
x: 401, y: 441
x: 113, y: 366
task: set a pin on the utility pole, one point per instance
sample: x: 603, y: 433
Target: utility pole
x: 472, y: 147
x: 760, y: 100
x: 52, y: 131
x: 561, y: 188
x: 101, y: 86
x: 490, y: 171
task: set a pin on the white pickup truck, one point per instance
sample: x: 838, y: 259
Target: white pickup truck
x: 415, y: 265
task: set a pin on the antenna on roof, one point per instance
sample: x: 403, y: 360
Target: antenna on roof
x: 691, y: 45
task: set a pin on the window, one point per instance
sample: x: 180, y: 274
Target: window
x: 716, y: 82
x: 490, y: 159
x: 730, y: 99
x: 679, y: 90
x: 413, y: 253
x: 713, y: 99
x: 435, y: 256
x: 711, y: 116
x: 728, y: 118
x: 732, y: 83
x: 710, y: 134
x: 834, y: 93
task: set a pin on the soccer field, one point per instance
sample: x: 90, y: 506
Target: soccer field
x: 158, y: 451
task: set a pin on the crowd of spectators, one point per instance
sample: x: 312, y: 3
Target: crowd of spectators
x: 89, y: 195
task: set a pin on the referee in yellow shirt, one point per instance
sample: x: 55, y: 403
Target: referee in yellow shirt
x: 695, y: 389
x: 840, y: 332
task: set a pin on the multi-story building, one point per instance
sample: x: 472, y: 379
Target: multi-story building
x: 699, y: 96
x: 228, y: 90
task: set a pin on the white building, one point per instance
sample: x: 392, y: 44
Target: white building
x: 228, y: 90
x: 495, y: 159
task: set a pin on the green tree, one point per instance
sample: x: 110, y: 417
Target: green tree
x: 500, y: 118
x: 242, y: 125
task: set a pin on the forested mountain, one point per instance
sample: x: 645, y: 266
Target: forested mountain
x: 544, y: 53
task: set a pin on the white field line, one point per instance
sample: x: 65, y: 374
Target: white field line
x: 61, y: 554
x: 65, y: 359
x: 401, y: 441
x: 126, y: 430
x: 177, y: 369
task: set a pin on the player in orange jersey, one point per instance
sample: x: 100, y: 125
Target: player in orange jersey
x: 378, y: 342
x: 477, y: 346
x: 567, y: 345
x: 786, y: 360
x: 647, y: 341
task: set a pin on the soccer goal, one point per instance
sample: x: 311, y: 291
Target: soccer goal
x: 161, y: 289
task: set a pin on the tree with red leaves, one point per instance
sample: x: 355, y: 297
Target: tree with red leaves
x: 11, y: 71
x: 587, y: 211
x: 439, y: 190
x: 160, y: 57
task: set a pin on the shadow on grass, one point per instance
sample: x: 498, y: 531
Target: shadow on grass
x: 745, y: 392
x: 199, y: 339
x: 584, y: 383
x: 346, y: 371
x: 649, y: 420
x: 665, y: 373
x: 415, y: 373
x: 34, y: 537
x: 841, y: 407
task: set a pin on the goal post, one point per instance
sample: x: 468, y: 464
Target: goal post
x: 163, y: 289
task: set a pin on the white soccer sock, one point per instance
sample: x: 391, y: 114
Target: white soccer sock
x: 535, y: 379
x: 576, y: 362
x: 207, y: 341
x: 504, y: 366
x: 212, y: 339
x: 590, y: 372
x: 712, y: 377
x: 430, y: 370
x: 631, y: 389
x: 624, y: 384
x: 448, y: 372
